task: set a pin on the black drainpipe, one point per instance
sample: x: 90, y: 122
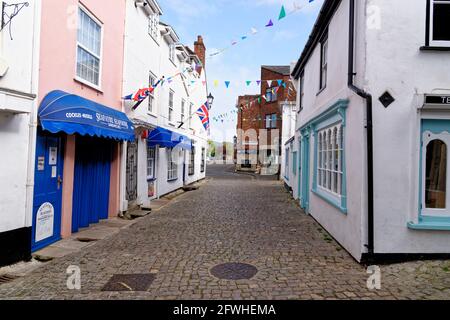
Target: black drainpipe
x: 369, y: 127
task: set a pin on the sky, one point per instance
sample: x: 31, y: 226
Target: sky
x: 221, y: 22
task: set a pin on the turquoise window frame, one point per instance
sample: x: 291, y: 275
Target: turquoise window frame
x: 337, y: 113
x: 435, y: 126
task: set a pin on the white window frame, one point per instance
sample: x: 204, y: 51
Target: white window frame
x: 153, y: 26
x: 151, y: 96
x: 203, y: 162
x: 79, y: 45
x: 436, y: 43
x: 171, y: 102
x: 301, y: 91
x: 172, y: 50
x: 191, y: 107
x: 323, y: 63
x: 271, y: 123
x: 428, y: 137
x: 330, y: 155
x: 151, y: 161
x: 183, y: 109
x: 191, y: 167
x: 172, y: 164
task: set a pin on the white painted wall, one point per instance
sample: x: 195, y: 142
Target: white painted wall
x: 395, y: 63
x: 289, y: 119
x: 18, y: 117
x: 389, y: 35
x: 195, y: 93
x: 145, y: 54
x: 346, y: 229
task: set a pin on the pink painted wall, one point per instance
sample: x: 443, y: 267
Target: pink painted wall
x: 67, y: 187
x: 58, y: 71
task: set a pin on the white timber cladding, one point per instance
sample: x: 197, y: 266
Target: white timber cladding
x: 152, y: 51
x: 19, y: 63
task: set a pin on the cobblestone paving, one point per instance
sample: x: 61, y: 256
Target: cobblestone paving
x: 232, y: 218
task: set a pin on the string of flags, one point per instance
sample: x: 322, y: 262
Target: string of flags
x: 248, y: 83
x: 254, y: 31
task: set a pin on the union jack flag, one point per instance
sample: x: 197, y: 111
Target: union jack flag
x: 203, y: 113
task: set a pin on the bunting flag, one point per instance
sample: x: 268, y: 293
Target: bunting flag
x: 258, y: 82
x: 282, y: 13
x: 270, y: 23
x: 227, y: 84
x: 248, y: 83
x: 254, y: 31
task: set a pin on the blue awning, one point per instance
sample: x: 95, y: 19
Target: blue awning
x: 168, y: 139
x: 64, y: 112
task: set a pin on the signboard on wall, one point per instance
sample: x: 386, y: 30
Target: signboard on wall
x: 437, y: 100
x: 45, y: 218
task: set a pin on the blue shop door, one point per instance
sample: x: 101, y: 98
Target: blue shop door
x: 93, y: 158
x: 47, y: 191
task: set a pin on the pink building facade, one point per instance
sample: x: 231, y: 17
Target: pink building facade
x: 78, y: 156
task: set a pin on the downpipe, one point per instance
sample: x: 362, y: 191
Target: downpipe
x: 369, y: 127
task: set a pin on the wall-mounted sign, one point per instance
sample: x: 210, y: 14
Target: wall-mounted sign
x: 45, y: 218
x: 41, y: 164
x: 53, y: 158
x: 437, y: 100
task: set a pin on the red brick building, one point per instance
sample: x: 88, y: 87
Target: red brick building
x: 259, y: 120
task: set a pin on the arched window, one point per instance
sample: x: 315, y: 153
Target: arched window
x: 436, y: 175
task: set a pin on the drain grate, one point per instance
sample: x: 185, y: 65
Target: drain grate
x: 234, y: 271
x: 5, y: 278
x: 129, y: 282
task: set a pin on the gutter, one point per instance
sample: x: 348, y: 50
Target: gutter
x: 369, y: 126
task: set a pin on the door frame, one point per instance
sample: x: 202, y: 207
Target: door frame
x: 57, y: 220
x: 305, y: 176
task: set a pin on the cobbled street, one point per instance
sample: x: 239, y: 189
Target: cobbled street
x: 231, y: 218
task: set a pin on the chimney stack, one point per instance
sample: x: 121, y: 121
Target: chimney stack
x: 200, y: 51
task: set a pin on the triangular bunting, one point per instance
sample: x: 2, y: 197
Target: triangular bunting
x: 282, y: 13
x: 270, y: 23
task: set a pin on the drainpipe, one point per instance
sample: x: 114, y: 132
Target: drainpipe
x: 369, y: 126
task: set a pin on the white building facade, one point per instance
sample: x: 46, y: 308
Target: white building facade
x: 289, y: 150
x: 154, y: 165
x: 19, y: 60
x: 373, y: 126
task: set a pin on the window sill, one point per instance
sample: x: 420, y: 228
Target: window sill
x: 434, y: 48
x: 330, y: 201
x: 151, y: 179
x: 321, y: 90
x: 88, y: 84
x: 431, y: 223
x: 172, y: 180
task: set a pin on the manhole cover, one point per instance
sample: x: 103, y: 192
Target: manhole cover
x: 129, y: 282
x: 234, y: 271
